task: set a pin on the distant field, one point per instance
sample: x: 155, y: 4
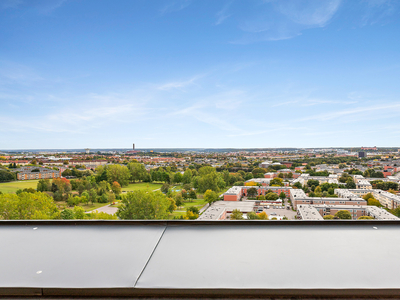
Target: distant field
x: 13, y: 186
x: 142, y: 186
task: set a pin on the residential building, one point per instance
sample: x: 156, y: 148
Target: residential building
x: 31, y: 173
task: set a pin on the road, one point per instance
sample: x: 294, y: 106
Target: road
x: 107, y: 209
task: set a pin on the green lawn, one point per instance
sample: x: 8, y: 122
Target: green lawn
x: 177, y: 214
x: 13, y: 186
x: 197, y: 203
x: 62, y: 204
x: 181, y: 211
x: 142, y: 186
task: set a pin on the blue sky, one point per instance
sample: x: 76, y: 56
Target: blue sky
x: 200, y: 73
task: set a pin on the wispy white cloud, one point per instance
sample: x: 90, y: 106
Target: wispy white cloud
x: 179, y: 84
x: 176, y: 5
x: 13, y: 73
x: 281, y: 20
x: 313, y: 13
x: 41, y: 6
x: 374, y: 110
x: 312, y: 102
x: 222, y: 15
x: 378, y: 11
x: 10, y: 4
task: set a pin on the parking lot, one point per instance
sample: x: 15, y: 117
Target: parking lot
x: 280, y: 211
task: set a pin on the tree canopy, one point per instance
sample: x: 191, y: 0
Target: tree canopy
x: 143, y: 205
x: 343, y: 214
x: 28, y: 206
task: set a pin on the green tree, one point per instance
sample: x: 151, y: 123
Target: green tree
x: 6, y: 175
x: 92, y: 195
x: 119, y: 174
x: 103, y: 188
x: 365, y: 218
x: 313, y: 182
x: 252, y: 192
x: 210, y: 196
x: 101, y: 216
x: 187, y: 176
x: 252, y: 216
x: 178, y: 177
x: 28, y: 206
x: 236, y: 215
x: 193, y: 209
x: 67, y: 214
x: 178, y: 199
x: 172, y: 205
x: 138, y: 171
x: 282, y: 195
x: 192, y: 194
x: 43, y: 185
x: 79, y: 213
x: 165, y: 187
x: 85, y: 197
x: 329, y: 217
x: 350, y: 183
x: 211, y: 181
x: 343, y: 214
x: 116, y: 188
x: 271, y: 196
x: 143, y: 205
x: 396, y: 212
x: 276, y: 182
x: 297, y: 185
x: 262, y: 216
x: 191, y: 215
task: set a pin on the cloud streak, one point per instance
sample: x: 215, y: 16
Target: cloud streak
x: 282, y: 20
x: 174, y: 6
x: 222, y: 15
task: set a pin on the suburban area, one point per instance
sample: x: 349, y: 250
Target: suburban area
x: 216, y: 184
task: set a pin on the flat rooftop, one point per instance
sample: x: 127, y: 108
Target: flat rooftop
x: 199, y: 258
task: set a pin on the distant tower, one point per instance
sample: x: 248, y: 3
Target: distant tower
x: 87, y: 150
x: 133, y: 146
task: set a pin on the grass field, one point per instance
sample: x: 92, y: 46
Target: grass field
x: 142, y: 186
x: 62, y: 204
x: 13, y: 186
x: 199, y: 203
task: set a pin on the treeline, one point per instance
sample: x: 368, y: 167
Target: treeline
x: 89, y: 190
x: 323, y: 160
x: 6, y: 175
x: 40, y: 206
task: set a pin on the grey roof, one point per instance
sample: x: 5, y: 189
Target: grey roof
x: 212, y: 257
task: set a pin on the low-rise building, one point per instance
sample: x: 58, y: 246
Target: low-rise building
x: 235, y: 193
x: 297, y: 196
x: 31, y: 173
x: 387, y: 199
x: 316, y: 212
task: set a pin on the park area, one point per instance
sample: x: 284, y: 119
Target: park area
x: 13, y: 186
x: 141, y: 186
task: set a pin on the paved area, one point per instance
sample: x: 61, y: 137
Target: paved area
x: 107, y: 209
x: 279, y: 212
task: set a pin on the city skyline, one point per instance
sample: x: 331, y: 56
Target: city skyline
x: 199, y: 74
